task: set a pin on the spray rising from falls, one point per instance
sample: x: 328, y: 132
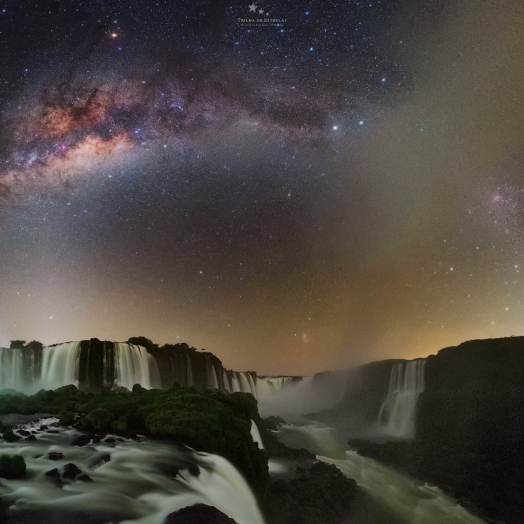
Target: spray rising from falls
x: 397, y: 415
x: 247, y: 382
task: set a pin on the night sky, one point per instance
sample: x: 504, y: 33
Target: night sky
x: 344, y: 186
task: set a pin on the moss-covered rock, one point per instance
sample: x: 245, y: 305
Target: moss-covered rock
x: 12, y: 467
x: 100, y: 419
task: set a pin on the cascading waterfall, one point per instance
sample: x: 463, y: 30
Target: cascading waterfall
x: 212, y: 378
x: 259, y: 387
x: 133, y: 366
x: 189, y: 372
x: 120, y: 364
x: 60, y: 365
x: 235, y: 383
x: 92, y: 365
x: 255, y: 433
x: 397, y: 414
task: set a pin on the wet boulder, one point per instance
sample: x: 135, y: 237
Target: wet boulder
x: 84, y: 478
x: 99, y: 459
x: 54, y: 455
x: 81, y: 440
x: 70, y: 471
x: 199, y: 514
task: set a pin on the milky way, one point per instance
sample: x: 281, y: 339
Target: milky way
x: 343, y: 186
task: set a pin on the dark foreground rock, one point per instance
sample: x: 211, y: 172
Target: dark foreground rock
x: 318, y: 494
x: 199, y: 514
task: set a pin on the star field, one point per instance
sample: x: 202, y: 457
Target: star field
x: 341, y: 186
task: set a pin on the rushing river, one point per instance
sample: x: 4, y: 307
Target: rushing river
x: 128, y: 482
x: 390, y: 497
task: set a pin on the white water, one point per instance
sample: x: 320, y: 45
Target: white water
x: 133, y: 366
x: 397, y: 415
x: 212, y: 376
x: 189, y: 372
x: 139, y: 485
x: 404, y: 499
x: 256, y: 435
x: 60, y: 367
x: 259, y: 387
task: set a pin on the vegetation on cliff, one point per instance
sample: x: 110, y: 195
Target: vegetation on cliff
x: 210, y: 421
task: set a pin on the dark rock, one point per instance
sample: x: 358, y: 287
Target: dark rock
x: 81, y: 440
x: 30, y: 437
x: 119, y: 439
x: 272, y: 422
x: 100, y: 458
x: 23, y: 432
x: 96, y: 439
x: 109, y: 440
x: 54, y: 455
x: 84, y: 478
x: 70, y: 471
x: 199, y: 514
x: 54, y: 431
x: 52, y: 473
x: 133, y: 436
x: 43, y: 427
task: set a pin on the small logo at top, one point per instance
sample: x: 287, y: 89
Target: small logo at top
x: 260, y: 15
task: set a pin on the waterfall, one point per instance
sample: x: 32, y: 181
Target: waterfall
x: 235, y: 382
x: 132, y: 366
x: 212, y: 379
x: 227, y: 386
x: 10, y: 368
x: 397, y: 414
x: 244, y: 383
x: 189, y: 371
x: 59, y: 365
x: 256, y: 435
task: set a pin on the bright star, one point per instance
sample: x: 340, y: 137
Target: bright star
x: 335, y: 128
x: 253, y: 8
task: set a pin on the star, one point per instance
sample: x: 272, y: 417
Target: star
x: 253, y: 8
x: 261, y: 11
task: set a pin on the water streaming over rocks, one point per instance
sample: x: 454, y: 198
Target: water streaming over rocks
x: 118, y: 480
x: 394, y: 496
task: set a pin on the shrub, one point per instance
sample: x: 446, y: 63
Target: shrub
x: 12, y: 467
x: 100, y: 419
x: 66, y: 418
x: 119, y: 425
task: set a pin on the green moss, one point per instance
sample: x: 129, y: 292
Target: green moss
x: 119, y: 425
x: 100, y: 419
x: 66, y: 418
